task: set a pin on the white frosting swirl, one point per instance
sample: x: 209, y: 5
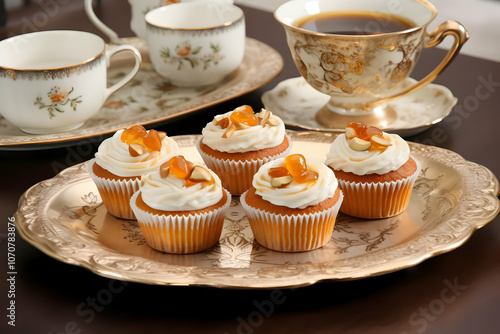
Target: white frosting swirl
x: 171, y: 194
x: 296, y: 195
x: 342, y: 157
x: 252, y: 139
x: 113, y: 155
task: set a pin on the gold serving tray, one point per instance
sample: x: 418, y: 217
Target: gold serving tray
x: 149, y: 98
x: 64, y: 217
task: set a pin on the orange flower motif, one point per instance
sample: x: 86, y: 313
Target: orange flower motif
x: 184, y: 50
x: 58, y: 97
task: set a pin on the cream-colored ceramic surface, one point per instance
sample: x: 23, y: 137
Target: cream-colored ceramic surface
x: 195, y: 44
x: 139, y: 8
x: 296, y: 103
x: 362, y: 70
x: 53, y: 81
x: 452, y: 197
x: 149, y: 98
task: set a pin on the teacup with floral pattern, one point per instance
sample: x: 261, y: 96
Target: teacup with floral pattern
x: 196, y: 43
x: 54, y: 81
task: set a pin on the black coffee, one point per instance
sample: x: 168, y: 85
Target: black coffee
x: 355, y: 23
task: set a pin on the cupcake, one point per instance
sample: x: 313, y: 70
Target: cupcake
x: 181, y: 207
x: 120, y: 162
x: 292, y: 204
x: 235, y: 144
x: 375, y: 171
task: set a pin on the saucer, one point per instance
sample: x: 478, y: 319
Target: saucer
x: 296, y: 103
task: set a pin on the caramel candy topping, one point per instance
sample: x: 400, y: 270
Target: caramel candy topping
x: 297, y: 166
x: 133, y: 134
x: 182, y: 169
x: 138, y: 136
x: 152, y: 140
x: 242, y: 118
x: 244, y: 115
x: 362, y: 137
x: 294, y: 169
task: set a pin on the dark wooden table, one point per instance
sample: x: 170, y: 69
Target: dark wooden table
x: 456, y: 292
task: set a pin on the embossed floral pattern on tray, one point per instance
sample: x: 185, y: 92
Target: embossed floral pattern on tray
x: 452, y: 198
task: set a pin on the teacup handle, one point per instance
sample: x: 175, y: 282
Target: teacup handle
x: 450, y: 27
x: 113, y: 36
x: 130, y: 75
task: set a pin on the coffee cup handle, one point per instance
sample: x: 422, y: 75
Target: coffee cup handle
x: 112, y: 35
x: 123, y: 81
x: 452, y: 28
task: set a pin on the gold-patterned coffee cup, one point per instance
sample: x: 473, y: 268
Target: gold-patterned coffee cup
x: 362, y: 71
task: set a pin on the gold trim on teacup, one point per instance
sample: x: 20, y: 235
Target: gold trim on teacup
x: 426, y: 3
x: 219, y: 26
x: 196, y: 31
x: 53, y: 73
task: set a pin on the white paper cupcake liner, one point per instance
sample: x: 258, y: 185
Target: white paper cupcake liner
x: 115, y: 194
x: 237, y: 176
x: 181, y: 234
x: 292, y: 233
x: 377, y: 200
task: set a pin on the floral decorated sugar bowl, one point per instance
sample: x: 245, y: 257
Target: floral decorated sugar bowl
x: 196, y: 43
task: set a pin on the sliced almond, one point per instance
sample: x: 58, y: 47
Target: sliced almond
x: 350, y: 133
x: 359, y: 144
x: 244, y: 108
x: 380, y: 141
x: 136, y: 150
x: 223, y: 122
x: 282, y: 181
x: 229, y: 131
x: 272, y: 122
x: 162, y: 135
x: 241, y: 126
x: 264, y: 116
x: 164, y: 170
x: 200, y: 174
